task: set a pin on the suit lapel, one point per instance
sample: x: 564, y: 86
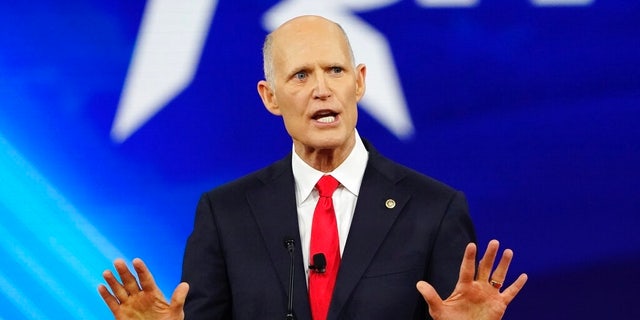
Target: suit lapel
x: 274, y: 207
x: 372, y: 220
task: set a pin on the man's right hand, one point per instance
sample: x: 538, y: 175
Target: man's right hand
x: 144, y: 301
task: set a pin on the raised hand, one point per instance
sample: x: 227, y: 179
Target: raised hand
x: 479, y: 298
x: 129, y: 300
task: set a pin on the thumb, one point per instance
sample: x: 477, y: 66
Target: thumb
x: 179, y: 296
x: 430, y: 295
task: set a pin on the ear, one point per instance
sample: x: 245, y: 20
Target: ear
x: 361, y: 73
x: 268, y: 97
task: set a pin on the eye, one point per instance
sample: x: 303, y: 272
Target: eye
x: 300, y: 75
x: 336, y: 70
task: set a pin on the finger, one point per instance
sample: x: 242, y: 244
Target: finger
x: 511, y: 292
x: 128, y: 280
x: 144, y: 275
x: 179, y: 296
x: 109, y: 299
x: 500, y: 273
x: 118, y: 290
x: 430, y: 296
x: 486, y: 264
x: 468, y: 265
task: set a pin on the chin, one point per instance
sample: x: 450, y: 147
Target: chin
x: 331, y: 142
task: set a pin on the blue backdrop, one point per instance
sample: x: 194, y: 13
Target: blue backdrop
x: 116, y: 115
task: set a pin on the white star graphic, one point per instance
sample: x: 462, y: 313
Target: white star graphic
x: 164, y: 61
x: 172, y: 35
x: 170, y: 44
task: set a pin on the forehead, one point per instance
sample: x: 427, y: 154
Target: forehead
x: 304, y: 43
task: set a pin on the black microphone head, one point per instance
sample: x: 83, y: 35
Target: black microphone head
x: 319, y: 262
x: 289, y: 243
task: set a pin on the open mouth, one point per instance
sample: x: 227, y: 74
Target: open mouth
x: 325, y: 116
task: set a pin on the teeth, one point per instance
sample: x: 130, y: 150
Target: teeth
x: 327, y: 119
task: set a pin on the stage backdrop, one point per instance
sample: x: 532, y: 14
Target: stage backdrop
x: 116, y: 115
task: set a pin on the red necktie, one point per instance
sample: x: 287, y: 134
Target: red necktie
x: 324, y: 239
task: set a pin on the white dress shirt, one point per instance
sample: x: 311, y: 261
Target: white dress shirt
x: 349, y: 174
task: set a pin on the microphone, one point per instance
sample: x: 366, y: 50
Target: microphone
x: 319, y: 263
x: 290, y: 245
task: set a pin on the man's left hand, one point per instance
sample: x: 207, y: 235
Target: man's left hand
x: 476, y: 298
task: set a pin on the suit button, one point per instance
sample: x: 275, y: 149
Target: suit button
x: 390, y: 203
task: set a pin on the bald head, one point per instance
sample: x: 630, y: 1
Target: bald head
x: 297, y: 31
x: 314, y: 85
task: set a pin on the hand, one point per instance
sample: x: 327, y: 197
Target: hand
x: 145, y: 301
x: 480, y: 298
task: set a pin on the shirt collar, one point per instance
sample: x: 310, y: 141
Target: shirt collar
x: 349, y: 172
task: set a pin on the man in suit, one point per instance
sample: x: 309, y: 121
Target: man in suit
x: 395, y: 227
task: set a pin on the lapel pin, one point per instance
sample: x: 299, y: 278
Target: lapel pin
x: 390, y: 203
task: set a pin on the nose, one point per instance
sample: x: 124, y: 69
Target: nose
x: 322, y: 90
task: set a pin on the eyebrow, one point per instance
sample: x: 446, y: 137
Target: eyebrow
x: 297, y: 69
x: 305, y: 67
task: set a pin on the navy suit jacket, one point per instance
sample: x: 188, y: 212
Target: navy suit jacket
x: 238, y: 267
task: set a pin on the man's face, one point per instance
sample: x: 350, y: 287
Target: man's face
x: 317, y: 87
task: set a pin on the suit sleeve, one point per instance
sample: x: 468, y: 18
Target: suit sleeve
x: 455, y: 232
x: 204, y: 268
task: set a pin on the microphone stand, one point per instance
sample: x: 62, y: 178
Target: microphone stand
x: 290, y: 245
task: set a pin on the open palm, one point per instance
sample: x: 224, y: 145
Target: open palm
x: 144, y: 301
x: 479, y: 297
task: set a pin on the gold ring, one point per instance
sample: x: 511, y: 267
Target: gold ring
x: 495, y: 284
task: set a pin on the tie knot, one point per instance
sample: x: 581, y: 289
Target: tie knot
x: 327, y: 185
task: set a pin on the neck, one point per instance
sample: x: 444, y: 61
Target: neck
x: 325, y: 160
